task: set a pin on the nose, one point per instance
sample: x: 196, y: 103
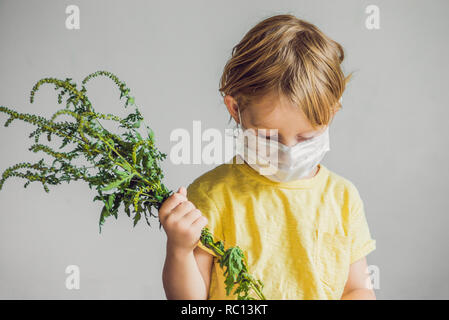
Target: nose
x: 290, y: 141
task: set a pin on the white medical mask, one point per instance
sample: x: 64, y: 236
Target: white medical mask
x: 277, y: 161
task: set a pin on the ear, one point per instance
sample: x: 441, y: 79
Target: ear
x: 336, y: 108
x: 335, y: 111
x: 232, y: 106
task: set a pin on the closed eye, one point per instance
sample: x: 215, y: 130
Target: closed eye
x: 264, y: 133
x: 276, y: 138
x: 272, y: 137
x: 304, y: 138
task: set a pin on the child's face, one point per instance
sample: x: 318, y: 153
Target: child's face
x: 272, y: 112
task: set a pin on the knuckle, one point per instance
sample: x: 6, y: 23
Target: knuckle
x: 189, y: 205
x: 193, y: 232
x: 176, y: 224
x: 192, y: 204
x: 185, y: 230
x: 170, y: 221
x: 161, y: 213
x: 181, y: 226
x: 198, y: 213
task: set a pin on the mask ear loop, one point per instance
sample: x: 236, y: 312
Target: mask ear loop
x: 238, y: 131
x: 239, y: 125
x: 240, y: 117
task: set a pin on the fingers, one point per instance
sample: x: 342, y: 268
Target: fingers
x: 192, y: 216
x: 181, y: 209
x: 199, y: 224
x: 182, y: 191
x: 178, y: 210
x: 173, y: 201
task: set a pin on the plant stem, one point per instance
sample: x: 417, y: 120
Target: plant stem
x: 257, y: 290
x: 219, y: 252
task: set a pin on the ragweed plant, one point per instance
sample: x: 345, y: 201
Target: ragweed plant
x: 125, y: 167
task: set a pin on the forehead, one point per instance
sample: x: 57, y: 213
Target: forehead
x: 278, y: 112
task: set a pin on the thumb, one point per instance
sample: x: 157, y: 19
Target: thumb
x: 182, y: 190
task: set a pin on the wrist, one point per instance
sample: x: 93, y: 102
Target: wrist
x: 178, y: 251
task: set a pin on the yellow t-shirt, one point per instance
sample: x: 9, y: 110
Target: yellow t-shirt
x: 299, y: 237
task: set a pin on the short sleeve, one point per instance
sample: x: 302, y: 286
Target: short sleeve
x: 208, y: 208
x: 361, y: 242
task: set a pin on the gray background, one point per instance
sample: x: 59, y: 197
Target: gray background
x: 390, y: 139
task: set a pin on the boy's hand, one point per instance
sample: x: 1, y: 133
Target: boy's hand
x: 182, y: 221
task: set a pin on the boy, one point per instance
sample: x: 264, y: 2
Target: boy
x: 303, y: 229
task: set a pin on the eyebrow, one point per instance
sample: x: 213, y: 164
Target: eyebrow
x: 311, y: 136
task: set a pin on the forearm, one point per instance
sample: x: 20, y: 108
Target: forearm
x: 181, y: 276
x: 359, y: 294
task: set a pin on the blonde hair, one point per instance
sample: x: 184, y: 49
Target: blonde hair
x: 287, y: 56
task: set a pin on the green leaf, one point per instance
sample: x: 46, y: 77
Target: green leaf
x: 150, y: 133
x: 127, y: 167
x: 104, y: 214
x: 149, y: 163
x: 127, y: 210
x: 121, y: 173
x: 111, y: 199
x: 137, y: 218
x: 117, y: 183
x: 137, y: 124
x: 140, y: 155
